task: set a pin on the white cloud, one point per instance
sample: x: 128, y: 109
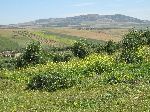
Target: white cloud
x: 83, y: 4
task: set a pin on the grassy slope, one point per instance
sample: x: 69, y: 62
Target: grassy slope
x: 8, y: 42
x: 90, y: 96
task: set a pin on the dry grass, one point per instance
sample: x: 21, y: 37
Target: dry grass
x: 104, y: 34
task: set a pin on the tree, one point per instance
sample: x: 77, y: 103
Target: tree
x: 110, y: 47
x: 130, y: 44
x: 32, y: 55
x: 80, y: 49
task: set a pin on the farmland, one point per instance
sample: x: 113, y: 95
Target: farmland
x: 58, y: 37
x: 100, y: 75
x: 48, y: 37
x: 101, y: 34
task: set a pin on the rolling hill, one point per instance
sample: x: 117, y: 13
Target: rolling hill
x: 90, y: 20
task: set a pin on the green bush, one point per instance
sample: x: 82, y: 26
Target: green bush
x: 50, y: 82
x: 130, y: 44
x: 62, y: 57
x: 127, y: 73
x: 130, y: 56
x: 80, y: 49
x: 33, y: 54
x: 8, y: 63
x: 100, y: 48
x: 110, y: 47
x: 145, y: 35
x: 98, y: 68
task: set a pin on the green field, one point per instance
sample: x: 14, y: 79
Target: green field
x: 9, y: 42
x: 47, y: 38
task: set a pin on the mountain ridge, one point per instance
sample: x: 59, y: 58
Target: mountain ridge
x: 89, y: 20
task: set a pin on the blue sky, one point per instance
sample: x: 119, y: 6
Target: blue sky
x: 16, y: 11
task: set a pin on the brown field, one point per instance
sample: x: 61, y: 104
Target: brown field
x: 103, y: 34
x: 6, y: 32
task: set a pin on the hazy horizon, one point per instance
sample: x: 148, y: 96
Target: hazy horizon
x: 17, y: 11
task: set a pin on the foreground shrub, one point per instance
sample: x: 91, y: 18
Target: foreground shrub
x: 62, y: 57
x: 127, y: 73
x: 130, y: 56
x: 110, y: 47
x: 32, y: 55
x: 80, y: 49
x: 98, y: 67
x: 50, y: 82
x: 144, y: 52
x: 7, y: 64
x: 130, y: 44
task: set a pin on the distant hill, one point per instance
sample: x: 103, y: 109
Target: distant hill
x: 90, y: 20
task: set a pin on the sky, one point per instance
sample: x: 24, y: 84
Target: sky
x: 18, y: 11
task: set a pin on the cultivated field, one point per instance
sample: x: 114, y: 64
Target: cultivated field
x: 101, y: 34
x: 54, y: 36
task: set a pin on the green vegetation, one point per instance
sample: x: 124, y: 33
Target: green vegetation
x: 10, y: 41
x: 106, y: 77
x: 80, y: 49
x: 5, y: 46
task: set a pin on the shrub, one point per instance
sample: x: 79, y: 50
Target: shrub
x: 130, y: 56
x: 50, y: 82
x: 145, y: 34
x: 32, y: 55
x: 130, y: 44
x: 62, y: 57
x: 100, y: 49
x: 7, y: 63
x: 98, y: 67
x: 110, y: 47
x: 80, y: 49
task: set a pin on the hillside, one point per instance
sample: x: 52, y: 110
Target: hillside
x: 89, y: 77
x: 90, y: 20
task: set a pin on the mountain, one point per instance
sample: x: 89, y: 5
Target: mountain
x: 90, y: 20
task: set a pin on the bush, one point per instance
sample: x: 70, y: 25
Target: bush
x: 7, y: 63
x: 130, y: 44
x: 110, y: 47
x: 32, y: 55
x: 62, y: 57
x: 100, y: 49
x: 80, y: 49
x: 130, y: 56
x: 50, y: 82
x: 145, y: 34
x: 98, y: 68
